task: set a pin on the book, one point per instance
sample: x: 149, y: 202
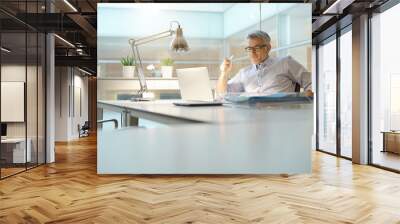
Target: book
x: 259, y: 97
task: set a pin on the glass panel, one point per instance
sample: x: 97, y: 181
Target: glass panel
x: 327, y: 96
x: 31, y: 98
x: 32, y: 88
x: 346, y: 93
x: 314, y: 87
x: 23, y: 89
x: 386, y: 89
x: 295, y: 43
x: 41, y: 98
x: 13, y: 87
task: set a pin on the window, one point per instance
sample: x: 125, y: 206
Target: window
x: 385, y: 87
x: 327, y: 96
x: 346, y: 93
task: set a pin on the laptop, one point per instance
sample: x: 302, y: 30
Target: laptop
x: 195, y: 88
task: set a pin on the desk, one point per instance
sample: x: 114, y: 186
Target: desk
x: 232, y: 139
x: 17, y: 150
x: 391, y: 141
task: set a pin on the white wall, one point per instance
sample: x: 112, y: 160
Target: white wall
x: 203, y: 24
x: 61, y: 103
x: 69, y: 85
x: 79, y: 117
x: 12, y: 73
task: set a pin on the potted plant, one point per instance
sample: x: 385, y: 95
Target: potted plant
x: 128, y: 67
x: 167, y: 67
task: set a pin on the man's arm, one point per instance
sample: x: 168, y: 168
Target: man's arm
x: 222, y: 84
x: 300, y: 75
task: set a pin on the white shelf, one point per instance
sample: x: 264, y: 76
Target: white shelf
x: 147, y: 78
x: 137, y: 79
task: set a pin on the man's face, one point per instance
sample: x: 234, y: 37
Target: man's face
x: 258, y: 50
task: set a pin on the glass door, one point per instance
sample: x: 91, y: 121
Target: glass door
x: 327, y: 96
x: 22, y: 77
x: 14, y: 153
x: 346, y: 92
x: 385, y: 90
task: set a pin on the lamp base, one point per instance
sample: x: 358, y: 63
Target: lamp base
x: 146, y: 96
x: 139, y: 99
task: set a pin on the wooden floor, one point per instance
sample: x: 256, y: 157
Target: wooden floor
x: 70, y: 191
x: 386, y: 159
x: 5, y: 172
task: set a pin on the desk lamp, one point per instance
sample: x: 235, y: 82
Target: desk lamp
x: 178, y: 44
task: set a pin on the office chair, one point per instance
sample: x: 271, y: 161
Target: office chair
x: 84, y: 130
x: 297, y: 87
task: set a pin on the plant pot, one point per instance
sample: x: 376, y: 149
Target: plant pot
x: 166, y: 71
x: 128, y: 71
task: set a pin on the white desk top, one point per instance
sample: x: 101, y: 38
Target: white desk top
x: 13, y: 140
x: 232, y: 140
x: 229, y: 113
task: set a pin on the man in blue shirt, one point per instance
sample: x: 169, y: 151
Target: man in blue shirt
x: 267, y: 74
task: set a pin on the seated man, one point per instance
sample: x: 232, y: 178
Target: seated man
x: 267, y: 74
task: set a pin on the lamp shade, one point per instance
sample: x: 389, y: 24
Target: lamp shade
x: 179, y: 43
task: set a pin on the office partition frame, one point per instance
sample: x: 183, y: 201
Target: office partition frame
x: 43, y: 55
x: 339, y: 32
x: 382, y: 8
x: 368, y: 64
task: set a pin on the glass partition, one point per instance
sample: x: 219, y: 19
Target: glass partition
x: 22, y: 90
x: 327, y: 96
x: 385, y: 89
x: 41, y: 97
x: 14, y: 153
x: 346, y: 93
x: 32, y: 98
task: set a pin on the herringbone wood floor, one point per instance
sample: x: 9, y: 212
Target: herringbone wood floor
x: 70, y: 191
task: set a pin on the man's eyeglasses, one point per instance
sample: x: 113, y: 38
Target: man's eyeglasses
x: 255, y: 49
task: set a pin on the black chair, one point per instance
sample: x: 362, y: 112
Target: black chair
x: 297, y: 87
x: 84, y: 130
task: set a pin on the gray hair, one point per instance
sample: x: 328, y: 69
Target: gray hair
x: 260, y: 35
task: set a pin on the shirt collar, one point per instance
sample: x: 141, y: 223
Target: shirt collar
x: 263, y: 64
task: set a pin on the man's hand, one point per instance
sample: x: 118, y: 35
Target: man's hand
x: 226, y: 66
x: 308, y: 93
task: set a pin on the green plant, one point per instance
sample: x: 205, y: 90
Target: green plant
x: 167, y: 62
x: 128, y: 61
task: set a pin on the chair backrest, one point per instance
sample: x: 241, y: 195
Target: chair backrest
x: 86, y: 125
x: 297, y: 87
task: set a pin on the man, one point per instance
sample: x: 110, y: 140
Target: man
x: 267, y: 74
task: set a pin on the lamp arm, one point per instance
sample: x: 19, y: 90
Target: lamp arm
x: 153, y: 37
x: 139, y: 67
x: 172, y: 22
x: 135, y: 51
